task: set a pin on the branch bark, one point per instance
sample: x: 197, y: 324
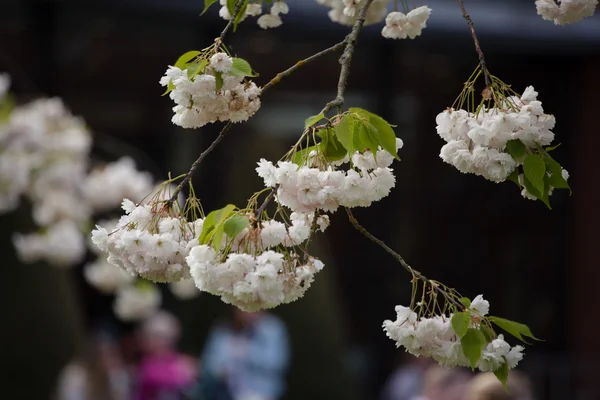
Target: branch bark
x: 467, y: 17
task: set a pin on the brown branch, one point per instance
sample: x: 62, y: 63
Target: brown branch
x: 236, y: 10
x: 346, y: 58
x: 196, y: 163
x: 467, y: 17
x: 265, y: 203
x: 400, y: 260
x: 301, y: 63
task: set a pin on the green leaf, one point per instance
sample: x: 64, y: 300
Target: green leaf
x: 196, y: 68
x: 502, y: 373
x: 516, y: 329
x: 310, y: 121
x: 182, y: 61
x: 516, y: 149
x: 344, y: 132
x: 207, y: 4
x: 213, y: 226
x: 514, y: 177
x: 240, y: 67
x: 534, y: 169
x: 170, y: 87
x: 465, y: 302
x: 550, y: 148
x: 234, y: 225
x: 385, y: 134
x: 301, y: 155
x: 331, y: 146
x: 460, y: 323
x: 487, y: 332
x: 364, y: 136
x: 556, y: 179
x: 219, y: 80
x: 473, y: 343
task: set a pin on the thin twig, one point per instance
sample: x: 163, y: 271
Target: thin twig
x: 196, y: 163
x: 399, y: 258
x: 467, y: 17
x: 301, y: 63
x: 265, y: 203
x: 236, y: 10
x: 346, y: 58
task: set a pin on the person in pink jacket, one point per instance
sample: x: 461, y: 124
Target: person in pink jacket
x: 163, y: 374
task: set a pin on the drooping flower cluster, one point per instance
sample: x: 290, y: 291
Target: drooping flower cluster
x: 262, y: 270
x: 215, y: 92
x: 435, y: 338
x: 255, y: 9
x: 400, y: 26
x: 306, y: 189
x: 345, y: 11
x: 107, y: 185
x: 566, y: 11
x: 476, y: 142
x: 148, y: 241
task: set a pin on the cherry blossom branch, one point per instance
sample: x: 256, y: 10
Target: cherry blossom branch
x: 301, y: 63
x: 416, y: 274
x: 196, y: 163
x: 266, y: 202
x: 236, y: 10
x: 346, y: 58
x: 467, y: 17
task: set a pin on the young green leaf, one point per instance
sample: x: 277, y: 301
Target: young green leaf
x: 487, y: 332
x: 556, y: 179
x: 234, y: 225
x: 170, y: 87
x: 502, y: 373
x: 465, y: 302
x: 217, y: 237
x: 207, y: 4
x: 473, y: 343
x: 330, y: 146
x: 363, y: 138
x: 207, y: 227
x: 460, y: 323
x: 344, y: 131
x: 182, y: 61
x: 301, y: 155
x: 385, y: 133
x: 550, y: 148
x: 534, y: 169
x: 310, y: 121
x: 224, y: 213
x: 241, y: 67
x: 516, y: 329
x: 516, y: 149
x: 196, y: 68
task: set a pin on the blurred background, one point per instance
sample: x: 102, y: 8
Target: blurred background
x: 537, y: 266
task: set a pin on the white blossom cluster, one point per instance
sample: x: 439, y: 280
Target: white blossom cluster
x: 435, y: 338
x: 106, y: 186
x: 345, y: 11
x: 306, y: 189
x: 255, y: 9
x: 400, y: 26
x: 252, y: 281
x: 566, y: 11
x: 148, y: 242
x: 198, y: 102
x: 476, y: 142
x: 137, y: 302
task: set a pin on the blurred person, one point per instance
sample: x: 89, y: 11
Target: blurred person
x: 163, y: 373
x: 245, y: 358
x: 99, y: 373
x: 406, y: 382
x: 442, y: 383
x: 487, y: 387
